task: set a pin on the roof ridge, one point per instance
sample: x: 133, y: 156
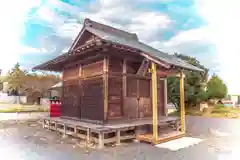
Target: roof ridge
x: 118, y: 32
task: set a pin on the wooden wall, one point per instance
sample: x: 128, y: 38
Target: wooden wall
x: 92, y: 91
x: 70, y: 92
x: 93, y: 69
x: 92, y: 99
x: 71, y: 99
x: 115, y: 89
x: 83, y: 91
x: 138, y: 100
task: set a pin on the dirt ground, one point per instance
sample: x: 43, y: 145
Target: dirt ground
x: 27, y: 140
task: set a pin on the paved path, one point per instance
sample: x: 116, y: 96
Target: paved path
x: 27, y: 141
x: 22, y: 116
x: 197, y: 125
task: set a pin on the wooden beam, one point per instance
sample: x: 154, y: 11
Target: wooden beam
x: 84, y: 60
x: 182, y: 102
x: 154, y: 103
x: 105, y: 81
x: 165, y: 65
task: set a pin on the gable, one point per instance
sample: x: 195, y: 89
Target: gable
x: 85, y: 38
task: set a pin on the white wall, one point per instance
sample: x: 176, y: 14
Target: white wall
x: 4, y: 98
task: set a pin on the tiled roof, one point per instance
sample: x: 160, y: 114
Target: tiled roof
x: 121, y: 37
x: 170, y: 59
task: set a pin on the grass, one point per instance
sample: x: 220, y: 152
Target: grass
x: 18, y: 108
x: 217, y: 111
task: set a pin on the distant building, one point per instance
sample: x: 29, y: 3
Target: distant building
x: 56, y: 90
x: 235, y: 99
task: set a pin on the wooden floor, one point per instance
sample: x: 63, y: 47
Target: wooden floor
x: 140, y: 122
x: 162, y: 137
x: 113, y: 132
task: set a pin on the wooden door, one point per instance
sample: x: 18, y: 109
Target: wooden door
x: 115, y: 97
x: 131, y: 101
x: 144, y: 97
x: 138, y: 100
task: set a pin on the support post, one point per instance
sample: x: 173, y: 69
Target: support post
x: 154, y: 103
x: 105, y: 81
x: 64, y: 130
x: 165, y: 97
x: 182, y: 103
x: 43, y: 124
x: 88, y: 137
x: 118, y: 137
x: 100, y: 140
x: 124, y: 87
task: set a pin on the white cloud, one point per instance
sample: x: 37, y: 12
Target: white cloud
x: 194, y: 42
x: 69, y: 30
x: 221, y: 18
x: 124, y: 15
x: 13, y: 16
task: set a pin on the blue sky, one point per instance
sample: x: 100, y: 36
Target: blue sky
x: 33, y: 31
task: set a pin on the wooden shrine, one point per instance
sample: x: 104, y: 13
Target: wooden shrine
x: 113, y: 83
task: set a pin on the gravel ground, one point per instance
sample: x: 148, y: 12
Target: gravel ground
x: 26, y: 140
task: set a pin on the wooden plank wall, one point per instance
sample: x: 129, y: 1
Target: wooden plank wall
x: 92, y: 99
x: 131, y: 99
x: 70, y: 92
x: 83, y: 91
x: 138, y: 96
x: 145, y: 105
x: 92, y: 106
x: 115, y: 88
x: 93, y: 69
x: 71, y: 99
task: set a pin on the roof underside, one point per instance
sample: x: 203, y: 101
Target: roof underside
x: 114, y: 37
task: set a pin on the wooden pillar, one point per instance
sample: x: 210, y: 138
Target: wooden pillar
x: 118, y: 137
x: 100, y: 140
x: 80, y: 89
x: 124, y: 83
x: 105, y: 83
x: 64, y: 129
x: 80, y: 71
x: 43, y: 124
x: 154, y: 103
x: 182, y: 103
x: 165, y: 97
x: 88, y: 137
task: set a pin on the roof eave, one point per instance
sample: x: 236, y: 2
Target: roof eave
x: 193, y: 68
